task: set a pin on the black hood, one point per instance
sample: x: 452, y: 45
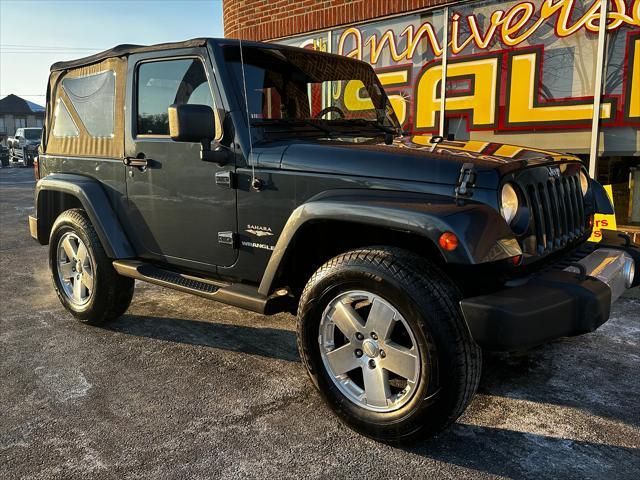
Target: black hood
x: 415, y: 158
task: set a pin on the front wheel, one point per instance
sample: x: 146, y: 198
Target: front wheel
x: 383, y: 339
x: 83, y: 276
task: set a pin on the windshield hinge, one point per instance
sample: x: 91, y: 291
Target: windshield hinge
x: 466, y: 181
x: 229, y: 239
x: 226, y: 179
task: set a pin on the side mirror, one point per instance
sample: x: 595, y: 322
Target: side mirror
x: 195, y: 123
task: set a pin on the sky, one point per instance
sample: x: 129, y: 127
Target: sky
x: 35, y: 34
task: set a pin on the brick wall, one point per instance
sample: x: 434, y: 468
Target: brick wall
x: 268, y: 19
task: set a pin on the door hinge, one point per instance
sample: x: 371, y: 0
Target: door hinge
x: 228, y: 238
x: 226, y: 179
x: 466, y: 181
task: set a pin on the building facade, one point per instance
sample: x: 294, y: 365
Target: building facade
x: 16, y: 112
x: 530, y: 73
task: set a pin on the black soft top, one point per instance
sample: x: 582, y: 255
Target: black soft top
x: 126, y: 49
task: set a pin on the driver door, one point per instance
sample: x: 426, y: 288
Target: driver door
x: 176, y: 211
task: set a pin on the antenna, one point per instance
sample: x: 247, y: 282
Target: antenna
x: 255, y: 183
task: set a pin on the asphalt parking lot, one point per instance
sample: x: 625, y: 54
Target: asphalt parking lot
x: 181, y: 387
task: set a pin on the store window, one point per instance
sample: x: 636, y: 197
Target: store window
x: 530, y: 87
x: 407, y: 64
x: 619, y: 138
x: 20, y: 122
x: 518, y: 72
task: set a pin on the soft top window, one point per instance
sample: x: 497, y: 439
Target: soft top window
x: 63, y: 125
x: 93, y: 98
x: 85, y: 110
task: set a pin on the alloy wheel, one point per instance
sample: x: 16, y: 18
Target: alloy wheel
x: 75, y: 268
x: 369, y: 351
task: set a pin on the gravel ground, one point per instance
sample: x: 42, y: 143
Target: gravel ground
x: 181, y: 387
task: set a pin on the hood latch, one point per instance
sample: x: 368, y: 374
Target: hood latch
x: 466, y: 181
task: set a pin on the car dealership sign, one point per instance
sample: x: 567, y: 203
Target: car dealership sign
x: 512, y: 67
x: 510, y: 27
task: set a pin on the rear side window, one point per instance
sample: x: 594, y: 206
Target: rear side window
x: 64, y: 126
x: 164, y: 83
x: 85, y: 110
x: 93, y: 98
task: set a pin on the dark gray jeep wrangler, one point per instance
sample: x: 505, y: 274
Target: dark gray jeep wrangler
x: 279, y: 179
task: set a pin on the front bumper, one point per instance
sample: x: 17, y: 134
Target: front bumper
x: 557, y: 303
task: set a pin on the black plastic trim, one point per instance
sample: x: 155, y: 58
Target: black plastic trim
x: 601, y: 199
x: 484, y: 235
x: 95, y: 202
x: 238, y: 294
x: 555, y: 304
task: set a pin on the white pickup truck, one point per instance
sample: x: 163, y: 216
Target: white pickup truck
x: 23, y: 146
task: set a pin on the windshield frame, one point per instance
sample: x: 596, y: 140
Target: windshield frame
x: 386, y: 122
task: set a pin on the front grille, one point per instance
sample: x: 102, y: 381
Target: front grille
x: 557, y: 211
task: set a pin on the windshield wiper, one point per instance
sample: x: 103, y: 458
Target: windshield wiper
x: 293, y: 121
x: 343, y: 128
x: 371, y: 123
x: 326, y: 130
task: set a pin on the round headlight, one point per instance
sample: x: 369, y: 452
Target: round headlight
x: 509, y: 202
x: 584, y: 183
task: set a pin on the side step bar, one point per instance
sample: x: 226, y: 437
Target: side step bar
x: 238, y: 294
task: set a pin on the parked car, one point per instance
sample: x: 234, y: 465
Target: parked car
x: 278, y: 179
x: 24, y: 145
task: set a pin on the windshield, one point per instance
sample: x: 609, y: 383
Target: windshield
x: 333, y: 94
x: 32, y: 133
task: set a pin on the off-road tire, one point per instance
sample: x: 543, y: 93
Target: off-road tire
x: 112, y: 292
x: 429, y: 301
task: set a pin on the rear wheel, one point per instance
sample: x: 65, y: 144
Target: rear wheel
x: 382, y: 337
x: 84, y: 278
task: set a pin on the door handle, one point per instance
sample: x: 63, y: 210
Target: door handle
x: 140, y: 161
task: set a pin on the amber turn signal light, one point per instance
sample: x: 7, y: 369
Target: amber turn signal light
x: 448, y: 241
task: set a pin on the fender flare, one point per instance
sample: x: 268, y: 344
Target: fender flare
x: 601, y: 200
x: 95, y: 202
x: 484, y: 235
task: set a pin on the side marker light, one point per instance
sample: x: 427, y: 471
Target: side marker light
x: 448, y: 241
